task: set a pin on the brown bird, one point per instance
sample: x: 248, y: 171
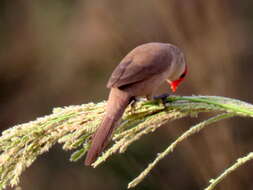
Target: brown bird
x: 140, y: 73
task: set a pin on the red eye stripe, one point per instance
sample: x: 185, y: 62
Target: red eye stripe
x: 184, y: 73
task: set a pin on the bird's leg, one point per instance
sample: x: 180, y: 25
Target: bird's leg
x: 149, y: 97
x: 163, y: 98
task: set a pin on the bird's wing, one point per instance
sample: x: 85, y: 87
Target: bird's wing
x: 134, y: 70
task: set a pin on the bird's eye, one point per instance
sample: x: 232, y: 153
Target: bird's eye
x: 183, y: 75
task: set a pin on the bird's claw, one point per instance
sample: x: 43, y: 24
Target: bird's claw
x: 163, y: 98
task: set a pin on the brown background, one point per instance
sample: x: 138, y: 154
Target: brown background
x: 61, y: 52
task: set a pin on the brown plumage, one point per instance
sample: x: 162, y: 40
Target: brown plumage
x: 140, y: 73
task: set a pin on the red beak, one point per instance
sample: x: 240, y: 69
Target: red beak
x: 174, y: 84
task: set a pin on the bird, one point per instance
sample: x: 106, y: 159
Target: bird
x: 139, y: 74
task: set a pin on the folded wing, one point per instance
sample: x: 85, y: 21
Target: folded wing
x: 134, y: 69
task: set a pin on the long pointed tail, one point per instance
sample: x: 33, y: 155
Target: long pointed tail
x: 117, y: 103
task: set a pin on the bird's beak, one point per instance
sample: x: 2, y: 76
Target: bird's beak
x: 174, y: 84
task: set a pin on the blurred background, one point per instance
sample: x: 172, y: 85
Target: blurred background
x: 61, y: 52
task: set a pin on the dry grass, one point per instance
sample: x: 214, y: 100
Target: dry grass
x: 73, y: 127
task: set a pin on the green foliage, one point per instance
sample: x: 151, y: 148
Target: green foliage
x: 73, y: 127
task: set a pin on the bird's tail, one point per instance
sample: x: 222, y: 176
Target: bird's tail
x: 117, y: 103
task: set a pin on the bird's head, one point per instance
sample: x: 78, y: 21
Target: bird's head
x: 174, y: 84
x: 179, y: 71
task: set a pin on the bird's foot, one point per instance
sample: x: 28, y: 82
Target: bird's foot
x: 163, y: 98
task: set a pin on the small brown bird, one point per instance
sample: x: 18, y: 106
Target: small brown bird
x: 140, y: 73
